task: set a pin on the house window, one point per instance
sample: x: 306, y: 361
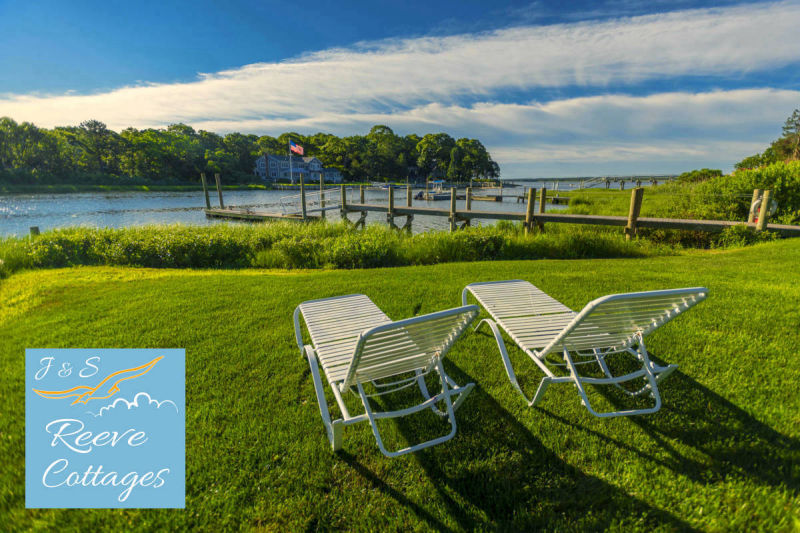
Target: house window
x: 272, y: 163
x: 284, y: 164
x: 273, y: 173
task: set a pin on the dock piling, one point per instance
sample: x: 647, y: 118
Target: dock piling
x: 452, y: 208
x: 408, y: 195
x: 219, y: 190
x: 205, y: 189
x: 361, y: 193
x: 302, y: 197
x: 343, y: 208
x: 322, y: 196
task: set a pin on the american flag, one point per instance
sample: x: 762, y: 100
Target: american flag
x: 296, y: 148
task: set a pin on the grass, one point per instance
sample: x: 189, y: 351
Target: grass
x: 722, y: 454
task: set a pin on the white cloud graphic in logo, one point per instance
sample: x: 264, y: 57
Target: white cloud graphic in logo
x: 134, y: 403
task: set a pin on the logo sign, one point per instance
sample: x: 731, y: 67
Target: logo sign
x: 104, y: 428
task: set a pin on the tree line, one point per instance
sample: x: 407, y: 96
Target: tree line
x: 93, y: 153
x: 786, y: 148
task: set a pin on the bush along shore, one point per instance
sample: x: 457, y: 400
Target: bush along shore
x: 310, y: 245
x: 325, y: 245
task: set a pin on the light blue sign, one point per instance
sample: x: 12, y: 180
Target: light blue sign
x: 105, y: 428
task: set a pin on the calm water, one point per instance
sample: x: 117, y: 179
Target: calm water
x: 122, y: 209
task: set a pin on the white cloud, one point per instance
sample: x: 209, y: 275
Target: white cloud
x: 421, y: 84
x: 147, y: 401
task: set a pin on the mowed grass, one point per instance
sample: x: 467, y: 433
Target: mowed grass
x: 722, y: 454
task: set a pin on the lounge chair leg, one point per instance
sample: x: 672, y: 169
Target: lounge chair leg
x: 461, y: 391
x: 372, y: 417
x: 507, y: 361
x: 585, y: 399
x: 540, y: 391
x: 334, y: 428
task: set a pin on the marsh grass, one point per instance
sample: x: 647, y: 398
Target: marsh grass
x: 312, y: 245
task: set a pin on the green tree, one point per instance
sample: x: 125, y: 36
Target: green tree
x: 791, y: 132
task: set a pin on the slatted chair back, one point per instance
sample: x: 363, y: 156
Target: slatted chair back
x: 615, y: 322
x: 407, y: 345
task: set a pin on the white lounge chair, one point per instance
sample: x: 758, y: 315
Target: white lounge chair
x: 541, y: 325
x: 356, y: 343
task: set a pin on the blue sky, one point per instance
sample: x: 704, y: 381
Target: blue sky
x: 619, y: 86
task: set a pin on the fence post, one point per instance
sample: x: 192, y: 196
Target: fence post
x: 361, y: 193
x: 302, y: 196
x: 763, y: 213
x: 452, y: 208
x: 633, y: 213
x: 205, y: 189
x: 621, y: 185
x: 529, y: 210
x: 322, y: 196
x: 343, y: 209
x: 408, y: 195
x: 751, y: 216
x: 542, y: 205
x: 219, y: 191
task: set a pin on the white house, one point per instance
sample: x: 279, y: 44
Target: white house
x: 276, y: 167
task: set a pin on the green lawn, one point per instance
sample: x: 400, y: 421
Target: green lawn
x: 723, y: 453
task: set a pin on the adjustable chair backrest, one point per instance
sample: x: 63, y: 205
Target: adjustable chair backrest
x: 614, y: 322
x: 407, y: 345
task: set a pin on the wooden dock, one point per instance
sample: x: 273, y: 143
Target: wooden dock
x: 250, y: 215
x: 465, y: 216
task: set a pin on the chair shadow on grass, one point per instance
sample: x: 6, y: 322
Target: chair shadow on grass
x: 736, y: 443
x: 496, y: 470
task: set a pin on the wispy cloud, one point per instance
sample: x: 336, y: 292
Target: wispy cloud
x: 453, y: 83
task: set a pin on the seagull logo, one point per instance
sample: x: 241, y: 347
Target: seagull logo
x: 105, y: 389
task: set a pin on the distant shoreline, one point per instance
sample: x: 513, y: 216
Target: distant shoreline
x: 72, y: 188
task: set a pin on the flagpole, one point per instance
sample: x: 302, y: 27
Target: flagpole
x: 291, y: 174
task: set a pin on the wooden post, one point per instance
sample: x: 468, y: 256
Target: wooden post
x: 633, y: 213
x: 322, y: 196
x: 390, y: 209
x: 361, y: 193
x: 621, y: 184
x: 219, y: 190
x: 302, y: 196
x: 469, y: 198
x: 752, y: 214
x: 529, y: 211
x: 34, y: 231
x: 408, y: 195
x: 205, y: 189
x: 763, y: 213
x: 343, y: 210
x: 542, y: 206
x: 452, y: 208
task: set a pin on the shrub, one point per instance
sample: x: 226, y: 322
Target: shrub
x: 728, y: 197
